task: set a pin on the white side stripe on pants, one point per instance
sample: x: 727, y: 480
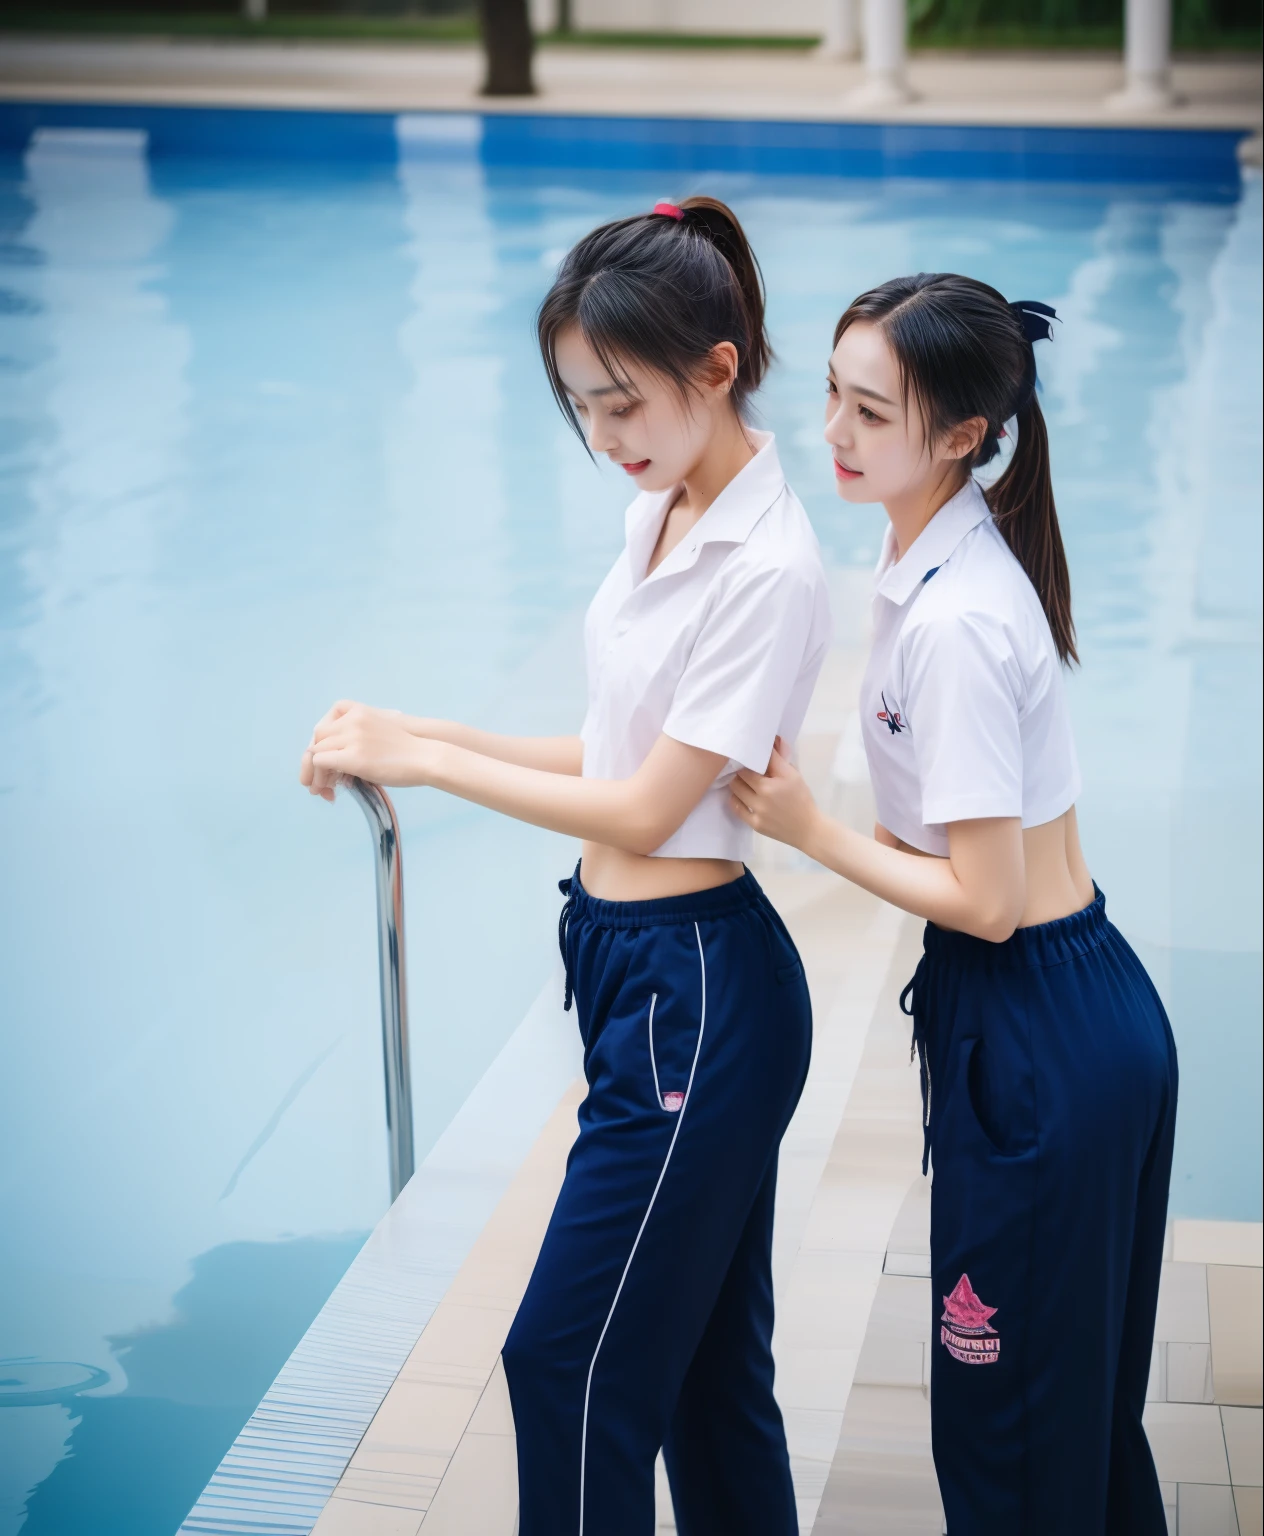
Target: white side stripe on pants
x: 658, y: 1093
x: 680, y: 1120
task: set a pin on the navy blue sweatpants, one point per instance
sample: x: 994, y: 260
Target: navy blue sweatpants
x: 1049, y: 1073
x: 648, y: 1319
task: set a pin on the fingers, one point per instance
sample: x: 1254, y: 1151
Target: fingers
x: 329, y: 756
x: 747, y: 796
x: 336, y: 712
x: 324, y: 785
x: 325, y: 728
x: 779, y: 765
x: 317, y: 781
x: 329, y: 721
x: 319, y: 770
x: 324, y: 780
x: 330, y: 766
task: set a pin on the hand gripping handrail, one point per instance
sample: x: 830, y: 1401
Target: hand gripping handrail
x: 380, y: 814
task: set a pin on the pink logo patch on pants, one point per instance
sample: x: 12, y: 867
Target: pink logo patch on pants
x: 965, y: 1332
x: 673, y: 1101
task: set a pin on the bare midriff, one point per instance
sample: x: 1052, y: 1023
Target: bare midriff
x: 611, y: 874
x: 1058, y: 881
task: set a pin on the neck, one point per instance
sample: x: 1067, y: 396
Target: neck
x: 726, y: 455
x: 911, y: 512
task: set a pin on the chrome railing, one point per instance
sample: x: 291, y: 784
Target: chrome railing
x: 377, y: 807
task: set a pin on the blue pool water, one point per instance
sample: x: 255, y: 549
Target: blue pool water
x: 275, y: 432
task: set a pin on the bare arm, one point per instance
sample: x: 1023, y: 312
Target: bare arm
x: 980, y: 888
x: 637, y: 814
x: 553, y: 754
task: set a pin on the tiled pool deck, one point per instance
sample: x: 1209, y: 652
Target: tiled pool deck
x: 722, y: 83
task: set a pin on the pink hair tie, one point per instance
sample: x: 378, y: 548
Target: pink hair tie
x: 669, y: 210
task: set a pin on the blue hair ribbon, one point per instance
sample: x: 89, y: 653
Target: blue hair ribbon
x: 1035, y: 319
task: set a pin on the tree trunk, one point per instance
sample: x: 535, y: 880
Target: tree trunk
x: 507, y: 44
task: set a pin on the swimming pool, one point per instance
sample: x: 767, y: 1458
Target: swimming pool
x: 275, y: 431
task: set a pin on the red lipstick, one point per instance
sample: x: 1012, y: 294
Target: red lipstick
x: 844, y: 473
x: 638, y: 468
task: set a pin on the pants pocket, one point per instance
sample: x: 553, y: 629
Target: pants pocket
x: 990, y: 1100
x: 673, y: 1042
x: 673, y: 1098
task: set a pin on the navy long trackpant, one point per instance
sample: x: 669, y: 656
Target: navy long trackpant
x: 1050, y: 1075
x: 647, y: 1322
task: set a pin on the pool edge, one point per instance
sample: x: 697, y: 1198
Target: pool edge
x: 1128, y: 153
x: 278, y: 1474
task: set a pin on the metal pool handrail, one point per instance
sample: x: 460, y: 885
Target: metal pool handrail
x: 380, y: 814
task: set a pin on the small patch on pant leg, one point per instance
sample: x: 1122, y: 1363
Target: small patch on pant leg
x: 673, y: 1101
x: 965, y: 1332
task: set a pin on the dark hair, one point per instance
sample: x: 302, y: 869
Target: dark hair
x: 662, y: 291
x: 962, y: 352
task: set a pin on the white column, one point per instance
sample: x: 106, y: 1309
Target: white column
x: 1147, y: 57
x: 840, y: 37
x: 543, y: 15
x: 885, y: 29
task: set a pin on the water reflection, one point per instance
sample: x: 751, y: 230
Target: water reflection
x: 84, y: 337
x: 139, y: 1459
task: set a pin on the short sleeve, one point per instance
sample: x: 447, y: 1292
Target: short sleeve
x: 962, y: 691
x: 743, y: 668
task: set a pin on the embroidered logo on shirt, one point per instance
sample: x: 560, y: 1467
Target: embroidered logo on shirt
x: 673, y: 1101
x: 890, y: 717
x: 965, y: 1332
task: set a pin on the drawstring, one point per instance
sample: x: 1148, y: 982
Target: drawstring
x: 567, y: 888
x: 913, y: 1005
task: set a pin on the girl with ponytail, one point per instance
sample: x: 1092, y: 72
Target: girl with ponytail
x: 647, y: 1323
x: 1047, y: 1064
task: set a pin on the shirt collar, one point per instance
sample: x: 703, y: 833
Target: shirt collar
x: 729, y: 519
x: 897, y: 580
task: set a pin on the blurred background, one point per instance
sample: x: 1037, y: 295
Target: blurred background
x: 273, y: 430
x: 1196, y: 24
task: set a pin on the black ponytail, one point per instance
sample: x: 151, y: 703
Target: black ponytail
x: 964, y: 352
x: 1022, y: 505
x: 662, y: 289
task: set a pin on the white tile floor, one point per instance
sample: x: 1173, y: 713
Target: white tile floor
x: 1208, y: 1455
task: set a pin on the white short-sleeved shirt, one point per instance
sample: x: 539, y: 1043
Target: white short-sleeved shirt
x: 963, y: 707
x: 719, y: 647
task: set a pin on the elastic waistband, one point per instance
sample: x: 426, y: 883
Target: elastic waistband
x: 1044, y: 944
x: 718, y: 901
